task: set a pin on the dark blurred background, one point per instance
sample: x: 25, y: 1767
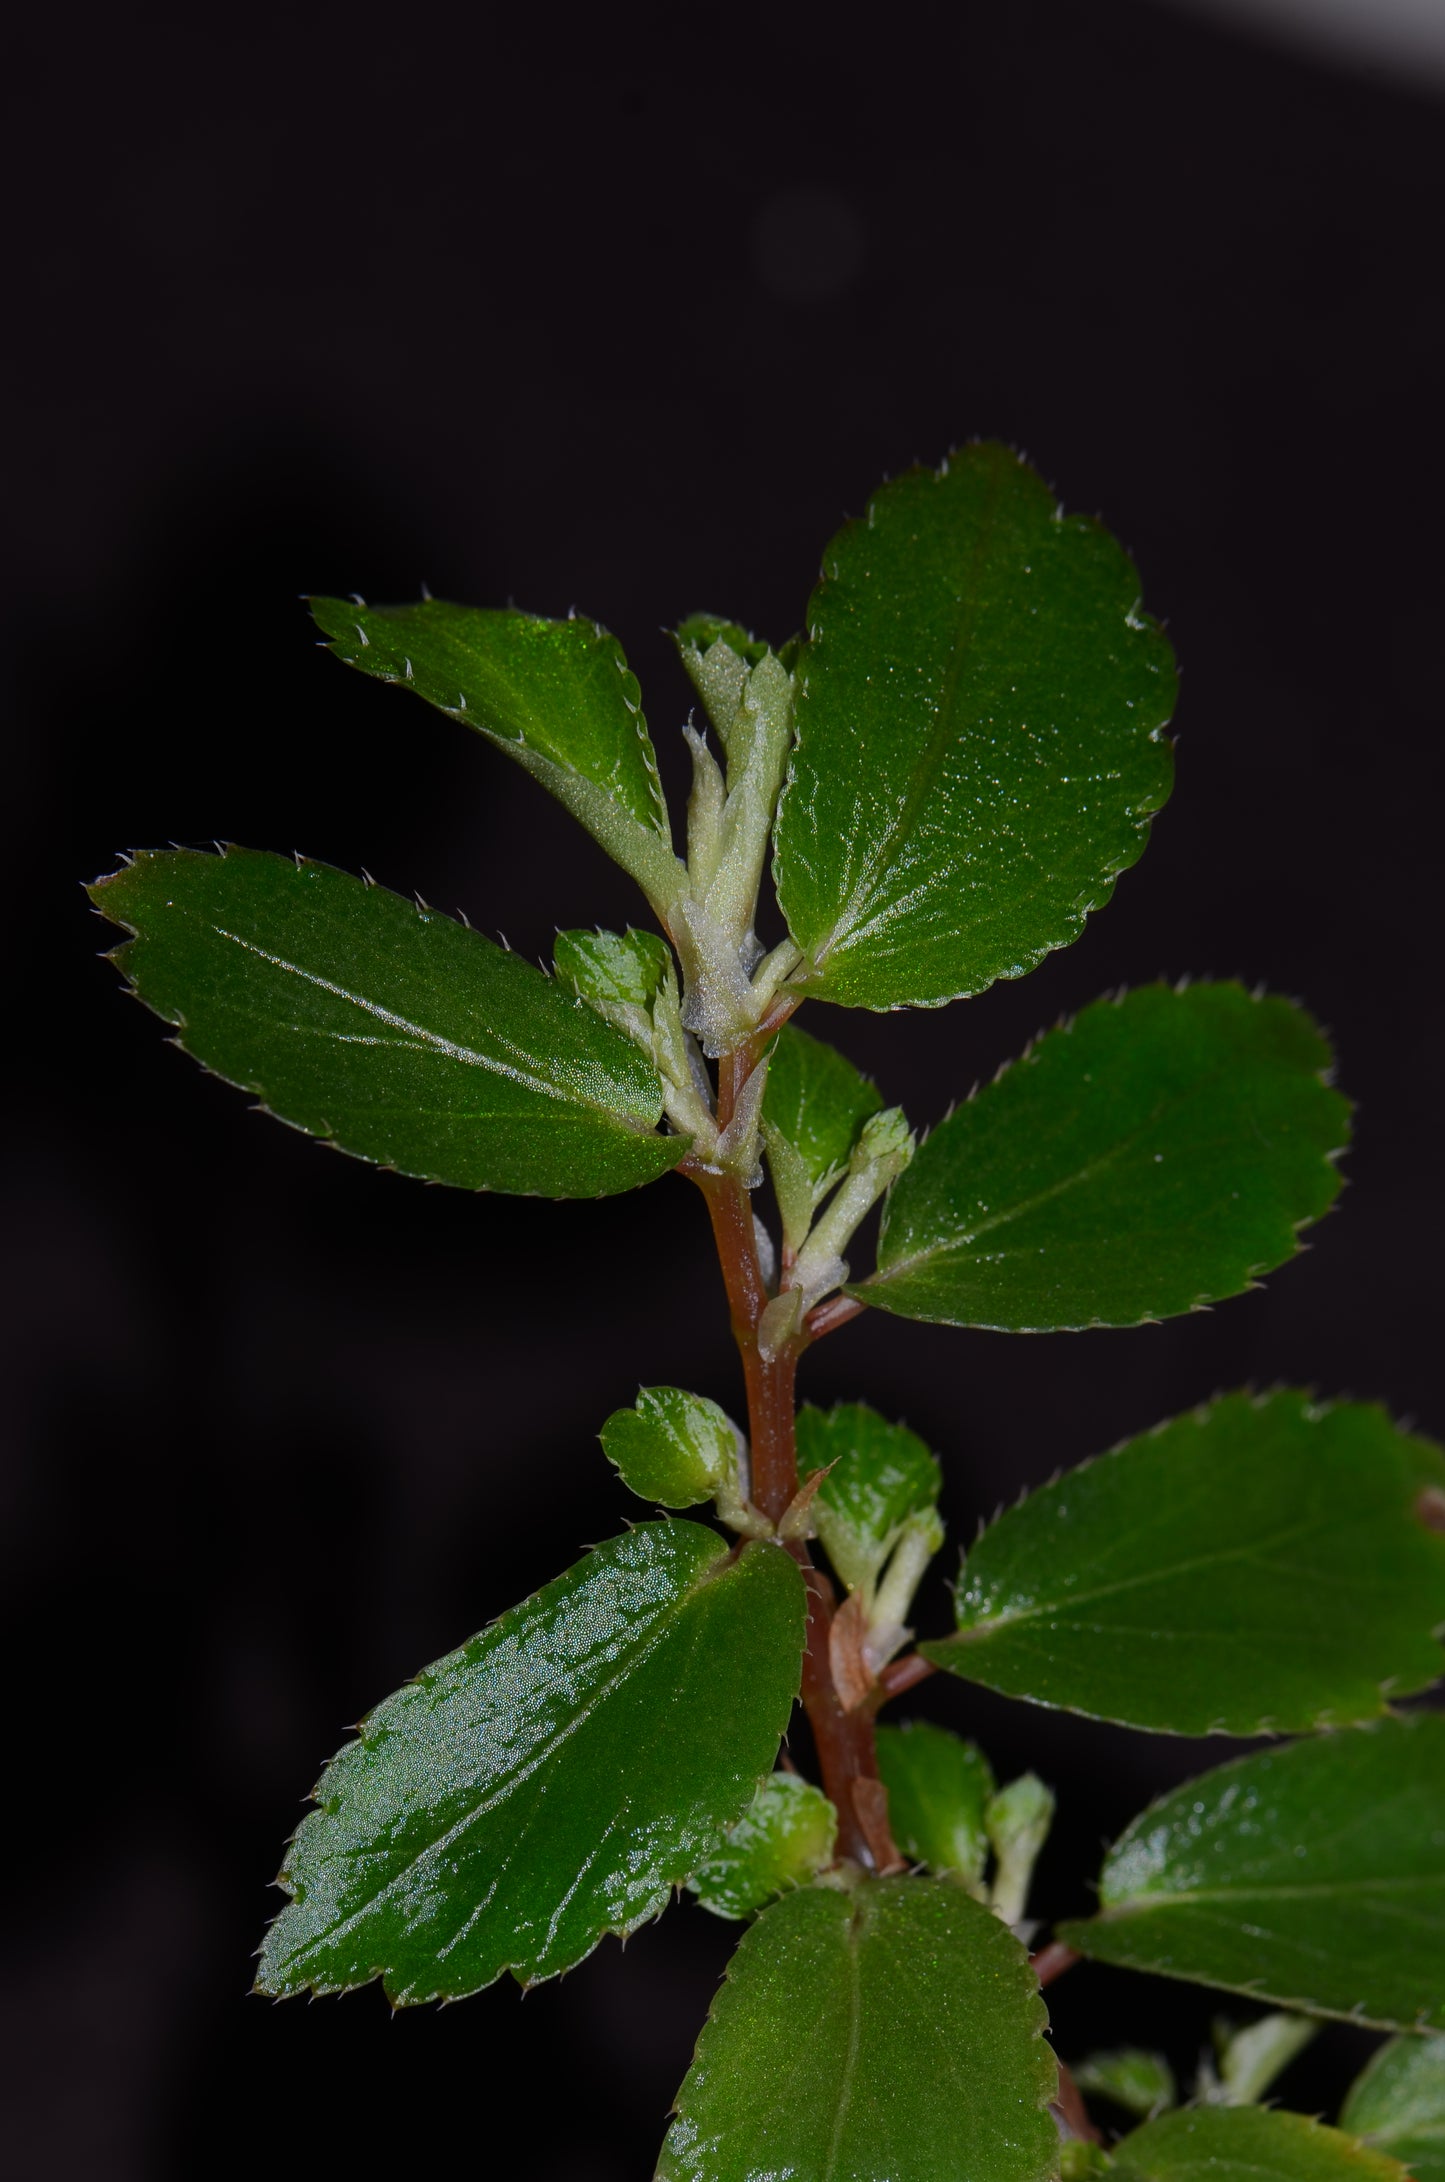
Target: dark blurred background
x: 625, y: 311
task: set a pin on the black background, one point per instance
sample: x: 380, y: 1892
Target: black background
x: 625, y: 313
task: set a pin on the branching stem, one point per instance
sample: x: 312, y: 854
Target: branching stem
x: 847, y: 1754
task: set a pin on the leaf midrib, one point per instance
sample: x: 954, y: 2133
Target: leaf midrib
x: 1064, y: 1608
x: 1304, y: 1890
x: 955, y: 1245
x: 517, y: 1778
x: 940, y: 739
x: 429, y: 1041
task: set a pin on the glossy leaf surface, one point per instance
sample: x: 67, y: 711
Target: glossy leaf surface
x: 938, y: 1786
x: 1157, y: 1153
x: 556, y: 695
x: 978, y: 747
x: 1247, y: 2144
x: 673, y: 1447
x: 879, y: 1474
x: 550, y: 1782
x: 814, y: 1105
x: 1312, y: 1875
x: 1398, y: 2105
x: 1258, y: 1565
x: 389, y: 1030
x: 893, y: 2032
x: 784, y: 1837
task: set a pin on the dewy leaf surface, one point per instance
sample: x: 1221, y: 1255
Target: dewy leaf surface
x: 550, y: 1782
x: 1258, y: 1565
x: 1247, y: 2144
x: 888, y: 2034
x: 1312, y: 1875
x: 556, y: 695
x: 391, y: 1030
x: 1155, y: 1154
x: 978, y: 749
x: 1398, y: 2105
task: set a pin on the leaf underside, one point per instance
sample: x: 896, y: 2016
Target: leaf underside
x: 1312, y: 1875
x: 893, y: 2032
x: 1157, y: 1153
x: 551, y: 1781
x: 978, y: 751
x: 1255, y: 1566
x: 1248, y: 2144
x: 388, y: 1029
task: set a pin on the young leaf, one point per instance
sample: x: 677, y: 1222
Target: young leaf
x: 892, y: 2032
x: 879, y: 1475
x: 390, y: 1030
x: 612, y: 969
x: 813, y: 1108
x: 1398, y: 2105
x: 550, y: 1782
x: 1247, y: 2144
x: 783, y: 1839
x: 978, y: 750
x: 1141, y: 2083
x: 1312, y: 1875
x: 673, y: 1448
x: 555, y: 695
x: 697, y: 635
x: 1155, y: 1154
x: 1017, y: 1820
x: 938, y: 1786
x: 1256, y: 1566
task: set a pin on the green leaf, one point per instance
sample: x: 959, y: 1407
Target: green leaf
x: 557, y: 696
x: 673, y: 1448
x: 879, y: 1475
x: 1398, y: 2105
x: 1141, y: 2083
x: 783, y: 1839
x: 937, y: 1787
x: 892, y: 2033
x: 1312, y: 1875
x: 1247, y: 2144
x: 813, y: 1108
x: 1259, y: 1565
x: 1155, y: 1154
x: 978, y: 737
x: 698, y: 634
x: 550, y: 1782
x: 1017, y: 1821
x: 612, y: 969
x: 390, y: 1030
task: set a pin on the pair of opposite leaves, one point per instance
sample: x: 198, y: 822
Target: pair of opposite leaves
x: 977, y: 756
x: 557, y: 1776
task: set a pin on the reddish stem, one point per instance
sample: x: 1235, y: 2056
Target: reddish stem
x: 1070, y: 2107
x: 1052, y: 1961
x: 835, y: 1312
x: 847, y: 1756
x: 904, y: 1674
